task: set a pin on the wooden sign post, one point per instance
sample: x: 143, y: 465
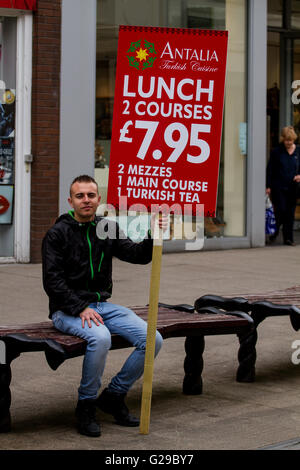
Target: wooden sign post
x: 151, y: 331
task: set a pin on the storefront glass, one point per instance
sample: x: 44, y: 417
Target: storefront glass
x: 275, y: 13
x: 7, y: 133
x: 273, y: 87
x: 228, y: 15
x: 295, y: 19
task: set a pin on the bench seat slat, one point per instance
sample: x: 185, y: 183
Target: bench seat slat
x: 169, y: 320
x: 290, y: 295
x: 169, y: 323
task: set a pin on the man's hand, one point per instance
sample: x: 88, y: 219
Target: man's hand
x: 89, y: 314
x: 163, y: 222
x: 297, y: 178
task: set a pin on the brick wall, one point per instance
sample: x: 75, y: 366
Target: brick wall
x: 45, y: 121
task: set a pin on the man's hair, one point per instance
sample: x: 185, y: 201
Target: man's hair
x: 84, y: 179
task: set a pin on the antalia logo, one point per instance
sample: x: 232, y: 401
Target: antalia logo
x: 142, y: 54
x: 197, y: 60
x: 203, y: 55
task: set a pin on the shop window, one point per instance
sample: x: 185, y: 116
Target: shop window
x: 295, y: 18
x: 275, y: 13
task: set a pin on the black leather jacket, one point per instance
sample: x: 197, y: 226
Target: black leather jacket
x: 77, y: 264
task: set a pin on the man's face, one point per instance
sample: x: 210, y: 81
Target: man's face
x: 84, y: 200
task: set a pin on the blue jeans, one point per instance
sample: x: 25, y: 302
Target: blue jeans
x: 119, y: 320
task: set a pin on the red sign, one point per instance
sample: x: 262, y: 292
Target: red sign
x: 167, y: 120
x: 18, y: 4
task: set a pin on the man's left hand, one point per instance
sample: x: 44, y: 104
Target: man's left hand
x: 163, y: 222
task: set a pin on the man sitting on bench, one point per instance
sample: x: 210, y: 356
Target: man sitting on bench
x: 77, y: 277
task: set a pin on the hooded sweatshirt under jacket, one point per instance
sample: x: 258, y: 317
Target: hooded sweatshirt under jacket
x: 77, y: 264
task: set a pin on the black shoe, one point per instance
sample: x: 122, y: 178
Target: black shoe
x: 113, y: 403
x: 86, y: 418
x: 273, y: 237
x: 289, y: 243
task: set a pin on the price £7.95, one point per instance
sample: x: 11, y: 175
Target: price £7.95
x: 178, y: 145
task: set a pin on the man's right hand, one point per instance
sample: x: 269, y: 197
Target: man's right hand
x: 88, y: 315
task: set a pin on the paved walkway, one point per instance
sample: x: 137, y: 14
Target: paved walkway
x: 228, y: 415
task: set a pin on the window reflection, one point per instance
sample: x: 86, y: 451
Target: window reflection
x: 275, y: 13
x: 295, y: 20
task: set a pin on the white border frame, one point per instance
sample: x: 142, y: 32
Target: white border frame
x: 77, y: 94
x: 257, y: 121
x: 23, y: 138
x: 22, y: 183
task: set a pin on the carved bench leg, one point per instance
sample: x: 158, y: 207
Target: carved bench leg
x: 193, y: 365
x: 247, y: 356
x: 5, y: 397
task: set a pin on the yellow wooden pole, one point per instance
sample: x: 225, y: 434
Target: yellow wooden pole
x: 151, y: 331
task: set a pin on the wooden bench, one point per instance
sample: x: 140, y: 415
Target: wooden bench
x: 173, y: 322
x: 284, y: 302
